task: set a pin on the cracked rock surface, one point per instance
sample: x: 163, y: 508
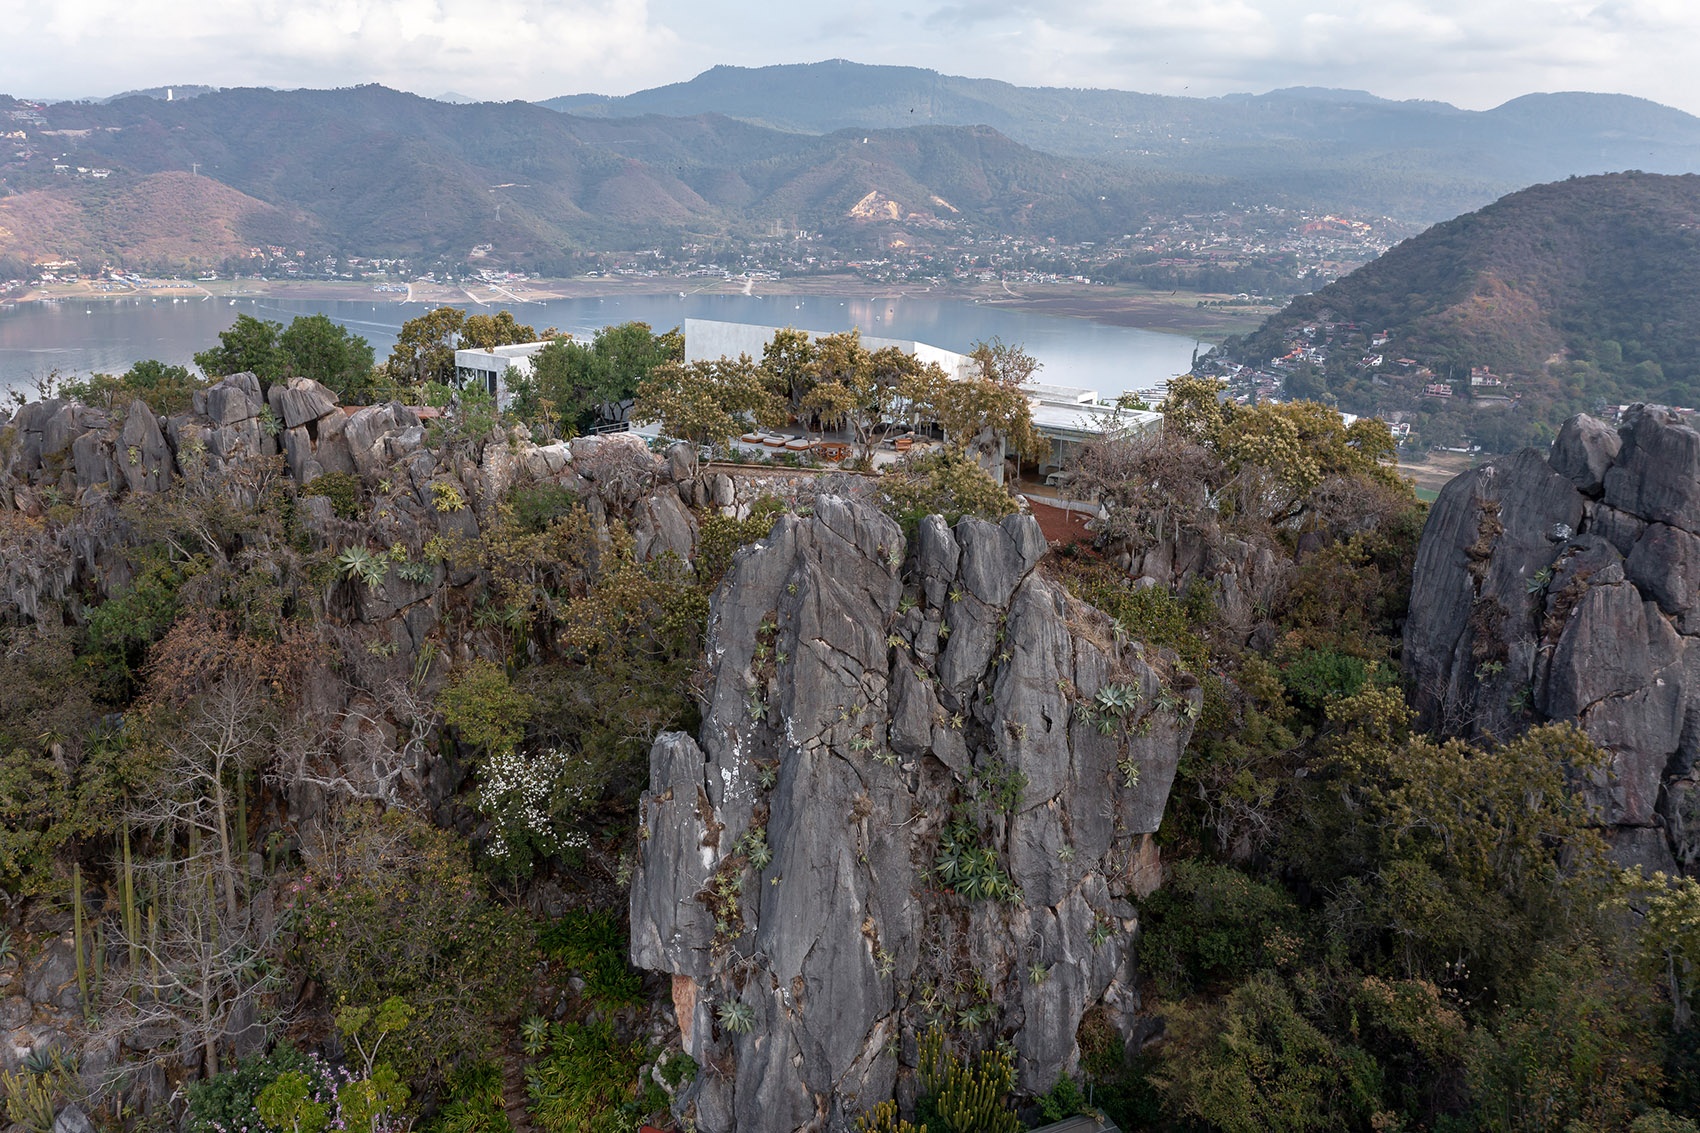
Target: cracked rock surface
x: 1567, y: 587
x: 871, y: 704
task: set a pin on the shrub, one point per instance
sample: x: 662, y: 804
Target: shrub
x: 472, y: 1102
x: 719, y: 537
x: 342, y: 489
x: 538, y: 505
x: 1210, y: 922
x: 227, y: 1103
x: 390, y: 905
x: 592, y: 943
x: 944, y: 482
x: 588, y: 1082
x: 484, y: 707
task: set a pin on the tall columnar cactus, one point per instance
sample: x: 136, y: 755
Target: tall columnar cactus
x: 968, y: 1099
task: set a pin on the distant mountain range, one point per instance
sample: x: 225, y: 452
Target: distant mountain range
x: 371, y: 171
x: 868, y: 154
x: 1567, y: 295
x: 1417, y: 161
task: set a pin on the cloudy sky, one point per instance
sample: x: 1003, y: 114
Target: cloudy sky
x: 1474, y: 53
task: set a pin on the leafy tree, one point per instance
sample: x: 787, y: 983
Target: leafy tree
x: 1002, y: 363
x: 789, y: 360
x: 330, y: 354
x: 250, y: 345
x: 424, y: 350
x: 484, y: 707
x: 943, y: 482
x: 486, y: 332
x: 707, y: 402
x: 1253, y: 1063
x: 572, y: 381
x: 166, y: 389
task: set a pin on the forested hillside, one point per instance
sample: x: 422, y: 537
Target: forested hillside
x: 369, y: 171
x: 1575, y: 295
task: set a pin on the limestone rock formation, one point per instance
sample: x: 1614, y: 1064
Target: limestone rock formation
x: 924, y: 788
x: 1568, y: 588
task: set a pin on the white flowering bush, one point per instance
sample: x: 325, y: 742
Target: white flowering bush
x: 534, y: 799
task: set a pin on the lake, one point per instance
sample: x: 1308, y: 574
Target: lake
x: 108, y: 336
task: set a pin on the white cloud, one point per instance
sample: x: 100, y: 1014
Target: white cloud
x: 490, y: 48
x: 1470, y: 52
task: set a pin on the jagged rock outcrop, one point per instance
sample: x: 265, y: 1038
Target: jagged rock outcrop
x: 1567, y: 587
x: 875, y: 716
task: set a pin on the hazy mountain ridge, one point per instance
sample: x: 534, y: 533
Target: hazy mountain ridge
x: 379, y: 171
x: 1418, y: 160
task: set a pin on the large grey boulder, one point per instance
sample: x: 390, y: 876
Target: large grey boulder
x: 1532, y: 601
x: 301, y: 401
x: 787, y: 854
x: 1584, y: 450
x: 142, y: 454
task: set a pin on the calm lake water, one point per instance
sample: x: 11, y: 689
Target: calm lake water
x: 108, y: 336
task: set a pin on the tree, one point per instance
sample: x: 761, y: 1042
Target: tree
x: 580, y: 381
x: 249, y: 345
x: 789, y: 361
x: 486, y: 332
x: 1003, y: 364
x: 424, y: 350
x: 330, y: 354
x: 708, y: 402
x: 166, y: 389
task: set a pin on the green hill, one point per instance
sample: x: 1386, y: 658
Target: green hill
x: 1574, y: 294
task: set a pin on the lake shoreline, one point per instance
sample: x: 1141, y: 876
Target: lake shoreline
x: 1114, y: 305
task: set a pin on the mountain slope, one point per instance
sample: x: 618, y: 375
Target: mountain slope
x: 1414, y: 160
x: 382, y: 172
x: 1575, y: 293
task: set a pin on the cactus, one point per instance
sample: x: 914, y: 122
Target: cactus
x: 883, y: 1119
x: 968, y: 1099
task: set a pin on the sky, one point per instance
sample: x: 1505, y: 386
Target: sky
x: 1472, y: 53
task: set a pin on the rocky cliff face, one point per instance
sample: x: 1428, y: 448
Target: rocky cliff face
x: 1567, y: 587
x: 924, y: 790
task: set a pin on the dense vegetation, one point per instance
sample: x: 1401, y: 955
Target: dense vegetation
x: 1362, y: 927
x: 1578, y: 294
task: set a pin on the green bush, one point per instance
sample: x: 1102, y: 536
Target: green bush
x: 472, y: 1102
x: 1316, y: 676
x: 718, y: 537
x: 1211, y: 922
x: 592, y: 943
x: 535, y: 506
x: 947, y: 482
x: 587, y: 1082
x: 390, y: 905
x: 227, y: 1103
x: 342, y: 489
x: 483, y: 706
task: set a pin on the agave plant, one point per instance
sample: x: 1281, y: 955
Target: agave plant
x: 534, y: 1035
x: 1117, y: 699
x: 737, y: 1017
x: 356, y: 562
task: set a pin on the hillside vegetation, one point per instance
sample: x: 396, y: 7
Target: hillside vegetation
x: 1576, y: 294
